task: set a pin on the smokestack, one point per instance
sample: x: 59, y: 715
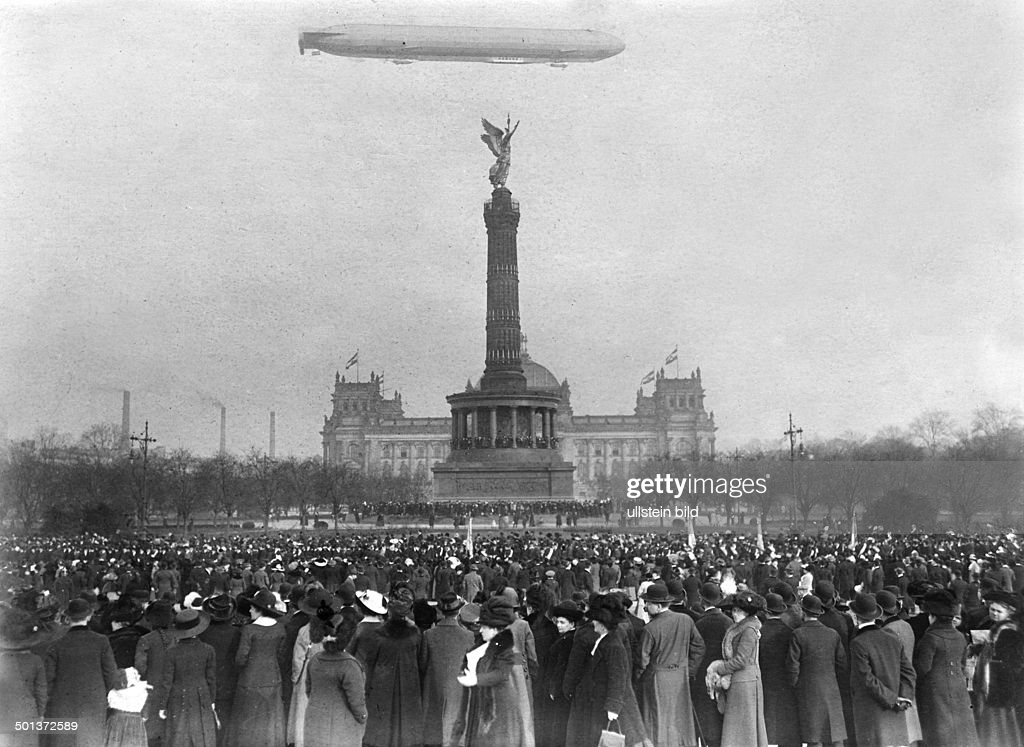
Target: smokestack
x: 223, y: 429
x: 272, y: 434
x: 126, y: 417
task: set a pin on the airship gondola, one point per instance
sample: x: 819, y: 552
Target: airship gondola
x: 404, y: 44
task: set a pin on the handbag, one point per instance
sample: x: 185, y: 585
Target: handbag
x: 611, y: 738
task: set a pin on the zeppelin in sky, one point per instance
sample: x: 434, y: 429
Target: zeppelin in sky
x: 405, y: 44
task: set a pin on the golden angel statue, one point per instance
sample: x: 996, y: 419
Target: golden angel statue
x: 500, y: 144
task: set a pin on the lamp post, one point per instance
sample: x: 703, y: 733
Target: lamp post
x: 792, y: 433
x: 143, y: 441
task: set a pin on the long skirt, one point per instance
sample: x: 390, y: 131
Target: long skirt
x: 125, y: 729
x: 297, y: 710
x: 257, y: 718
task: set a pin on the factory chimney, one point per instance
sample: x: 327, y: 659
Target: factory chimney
x: 223, y: 429
x: 126, y: 418
x: 272, y: 434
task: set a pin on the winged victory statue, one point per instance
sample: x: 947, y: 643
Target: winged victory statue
x: 500, y: 143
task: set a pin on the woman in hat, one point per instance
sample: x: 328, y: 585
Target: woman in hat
x: 257, y: 714
x: 150, y: 655
x: 393, y: 697
x: 736, y: 678
x: 997, y: 688
x: 500, y: 711
x: 189, y: 691
x: 565, y: 616
x: 320, y: 605
x: 336, y: 690
x: 373, y: 607
x: 125, y: 725
x: 22, y: 675
x: 943, y: 702
x: 604, y: 694
x: 223, y: 635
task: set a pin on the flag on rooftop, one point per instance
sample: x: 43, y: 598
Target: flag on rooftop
x: 352, y: 361
x: 673, y: 356
x: 648, y: 378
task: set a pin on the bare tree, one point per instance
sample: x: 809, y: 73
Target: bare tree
x: 183, y: 488
x: 263, y: 472
x: 934, y: 429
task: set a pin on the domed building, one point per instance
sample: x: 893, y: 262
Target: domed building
x: 370, y: 433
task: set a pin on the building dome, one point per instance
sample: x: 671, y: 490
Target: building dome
x: 537, y: 376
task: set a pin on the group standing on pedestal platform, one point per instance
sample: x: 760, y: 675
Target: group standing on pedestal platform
x: 407, y: 639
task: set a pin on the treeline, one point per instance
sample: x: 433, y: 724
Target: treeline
x: 52, y: 484
x: 900, y: 479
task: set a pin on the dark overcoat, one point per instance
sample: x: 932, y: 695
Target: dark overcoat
x: 257, y: 713
x: 23, y: 684
x: 124, y: 642
x: 605, y: 686
x: 500, y: 710
x: 815, y: 665
x: 393, y: 697
x: 549, y: 722
x: 336, y: 713
x: 711, y: 626
x: 879, y: 673
x: 552, y: 669
x: 188, y: 694
x: 780, y: 708
x: 440, y: 660
x: 80, y: 671
x: 150, y: 656
x: 942, y: 699
x: 670, y: 648
x: 223, y: 637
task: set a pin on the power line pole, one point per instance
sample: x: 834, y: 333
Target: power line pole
x: 143, y: 441
x: 792, y: 433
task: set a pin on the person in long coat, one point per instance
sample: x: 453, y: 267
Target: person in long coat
x: 566, y: 615
x: 711, y: 625
x: 440, y: 661
x: 150, y: 655
x: 779, y: 696
x: 815, y: 665
x: 80, y: 671
x: 500, y: 711
x: 997, y: 688
x: 257, y: 714
x: 393, y: 698
x: 743, y: 716
x: 189, y: 691
x: 22, y: 673
x: 892, y: 623
x: 670, y: 648
x: 881, y: 679
x: 336, y: 687
x: 223, y: 637
x: 604, y: 695
x: 320, y: 607
x: 943, y: 702
x: 539, y: 601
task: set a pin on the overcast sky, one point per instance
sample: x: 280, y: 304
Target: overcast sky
x: 822, y: 204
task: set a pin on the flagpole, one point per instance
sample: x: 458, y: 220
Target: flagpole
x: 357, y: 365
x: 677, y: 361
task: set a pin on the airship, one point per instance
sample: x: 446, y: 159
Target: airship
x: 500, y: 46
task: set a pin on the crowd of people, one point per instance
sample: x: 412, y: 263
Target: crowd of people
x: 514, y: 638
